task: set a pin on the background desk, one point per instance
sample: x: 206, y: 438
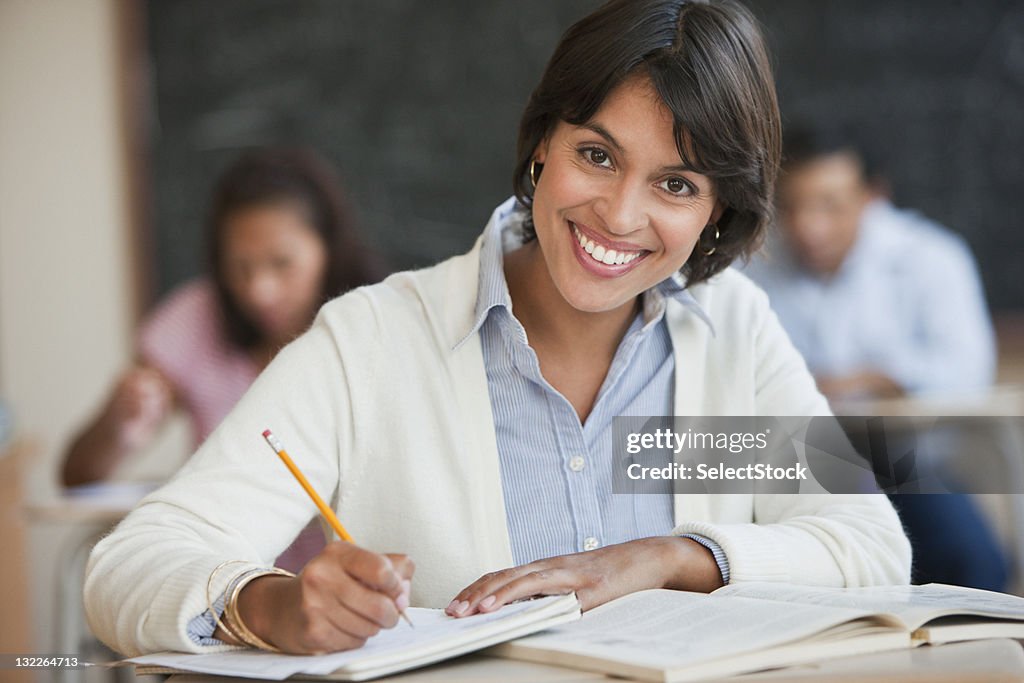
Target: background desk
x: 992, y: 456
x: 15, y: 617
x: 91, y: 510
x: 988, y: 661
x: 93, y: 504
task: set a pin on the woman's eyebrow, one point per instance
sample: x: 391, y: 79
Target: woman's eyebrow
x: 603, y: 132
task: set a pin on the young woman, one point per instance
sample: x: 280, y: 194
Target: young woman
x: 281, y: 242
x: 462, y: 414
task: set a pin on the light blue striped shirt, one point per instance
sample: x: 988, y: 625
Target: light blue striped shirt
x: 557, y: 473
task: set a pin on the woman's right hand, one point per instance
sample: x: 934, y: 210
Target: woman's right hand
x: 137, y: 407
x: 345, y: 595
x: 141, y: 400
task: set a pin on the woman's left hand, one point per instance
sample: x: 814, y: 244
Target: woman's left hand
x: 597, y: 576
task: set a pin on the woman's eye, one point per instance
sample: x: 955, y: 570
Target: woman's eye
x: 598, y: 157
x: 677, y: 187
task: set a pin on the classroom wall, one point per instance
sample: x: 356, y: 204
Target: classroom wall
x: 65, y: 295
x: 418, y: 103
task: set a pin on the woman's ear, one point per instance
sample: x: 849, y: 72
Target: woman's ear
x: 540, y: 152
x: 716, y: 213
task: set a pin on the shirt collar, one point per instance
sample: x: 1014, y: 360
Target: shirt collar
x: 505, y: 233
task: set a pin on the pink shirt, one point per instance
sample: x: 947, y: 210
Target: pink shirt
x: 184, y: 339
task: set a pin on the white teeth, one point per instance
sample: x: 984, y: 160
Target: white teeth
x: 602, y: 254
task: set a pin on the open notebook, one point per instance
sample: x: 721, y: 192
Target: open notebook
x: 436, y: 637
x: 662, y: 635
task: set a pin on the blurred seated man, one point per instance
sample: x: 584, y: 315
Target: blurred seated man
x: 883, y: 302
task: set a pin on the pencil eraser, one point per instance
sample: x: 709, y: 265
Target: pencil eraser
x: 266, y: 433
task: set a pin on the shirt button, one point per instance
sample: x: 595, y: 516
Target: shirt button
x: 591, y: 543
x: 577, y: 463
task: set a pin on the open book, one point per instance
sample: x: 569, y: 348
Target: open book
x: 662, y: 635
x: 435, y: 637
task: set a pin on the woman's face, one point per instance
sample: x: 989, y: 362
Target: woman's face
x: 274, y: 266
x: 615, y: 209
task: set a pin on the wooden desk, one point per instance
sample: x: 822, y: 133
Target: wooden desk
x: 93, y: 504
x: 983, y: 661
x: 988, y: 661
x: 91, y: 510
x: 1003, y: 400
x: 15, y: 617
x: 993, y: 454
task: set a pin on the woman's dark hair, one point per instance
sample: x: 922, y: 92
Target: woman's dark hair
x: 274, y: 176
x: 707, y: 61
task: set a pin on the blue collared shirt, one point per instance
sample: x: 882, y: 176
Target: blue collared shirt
x: 906, y: 301
x: 556, y: 472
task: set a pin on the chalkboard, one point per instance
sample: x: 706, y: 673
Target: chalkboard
x: 936, y: 90
x: 417, y: 103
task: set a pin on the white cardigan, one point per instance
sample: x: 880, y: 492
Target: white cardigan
x: 391, y: 418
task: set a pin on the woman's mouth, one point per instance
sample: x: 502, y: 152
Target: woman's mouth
x: 603, y: 259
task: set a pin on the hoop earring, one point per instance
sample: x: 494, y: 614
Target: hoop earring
x: 712, y: 250
x: 533, y: 172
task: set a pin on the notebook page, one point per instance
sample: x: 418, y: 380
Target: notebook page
x: 438, y: 633
x: 434, y: 631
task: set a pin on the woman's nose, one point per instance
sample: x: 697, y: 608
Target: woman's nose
x: 622, y: 207
x: 263, y: 289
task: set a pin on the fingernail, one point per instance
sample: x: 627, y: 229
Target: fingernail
x: 462, y: 607
x: 402, y: 602
x: 487, y: 602
x: 406, y: 585
x: 451, y: 606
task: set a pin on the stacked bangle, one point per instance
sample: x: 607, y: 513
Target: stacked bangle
x: 232, y: 622
x: 234, y: 619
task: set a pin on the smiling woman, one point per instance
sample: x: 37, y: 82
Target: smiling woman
x: 616, y: 187
x: 462, y: 414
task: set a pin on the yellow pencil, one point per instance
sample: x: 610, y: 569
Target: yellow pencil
x: 325, y: 510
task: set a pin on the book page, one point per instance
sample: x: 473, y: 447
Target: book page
x: 434, y: 632
x: 913, y: 605
x: 666, y: 629
x: 953, y: 629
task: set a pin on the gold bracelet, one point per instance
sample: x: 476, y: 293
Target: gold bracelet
x: 232, y: 616
x: 209, y: 602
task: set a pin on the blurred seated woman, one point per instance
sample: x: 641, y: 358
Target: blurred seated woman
x: 281, y: 242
